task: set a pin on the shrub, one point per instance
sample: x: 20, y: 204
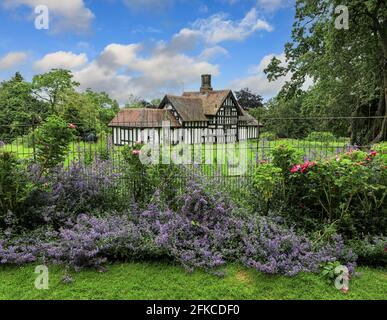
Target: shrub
x: 136, y: 174
x: 52, y: 141
x: 18, y: 252
x: 15, y: 193
x: 143, y: 180
x: 320, y: 136
x: 371, y: 251
x: 350, y: 191
x: 87, y: 242
x: 78, y: 189
x: 285, y: 156
x: 269, y: 136
x: 203, y: 233
x: 268, y: 181
x: 270, y: 248
x: 381, y: 149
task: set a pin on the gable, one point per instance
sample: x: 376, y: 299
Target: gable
x: 230, y: 102
x: 189, y: 109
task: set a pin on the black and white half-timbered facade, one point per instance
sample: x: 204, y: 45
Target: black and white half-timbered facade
x: 206, y: 116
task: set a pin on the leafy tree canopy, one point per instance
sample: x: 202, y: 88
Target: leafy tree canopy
x: 248, y: 100
x: 348, y: 66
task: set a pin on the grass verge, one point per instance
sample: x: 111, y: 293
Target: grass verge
x: 164, y: 281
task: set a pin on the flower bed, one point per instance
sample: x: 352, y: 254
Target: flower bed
x: 82, y: 221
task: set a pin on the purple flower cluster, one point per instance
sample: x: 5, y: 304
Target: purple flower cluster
x: 270, y: 248
x: 17, y: 252
x: 78, y: 189
x: 202, y: 233
x: 85, y: 242
x: 198, y: 234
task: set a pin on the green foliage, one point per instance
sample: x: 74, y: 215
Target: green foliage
x: 350, y: 192
x: 52, y: 142
x: 248, y: 100
x: 19, y: 109
x: 370, y: 251
x: 24, y: 105
x: 328, y: 271
x: 344, y: 84
x: 90, y: 111
x: 268, y: 181
x: 285, y: 156
x: 269, y: 136
x: 137, y: 102
x: 14, y: 190
x: 135, y: 173
x: 284, y: 117
x: 53, y: 86
x: 145, y: 180
x: 320, y: 136
x: 381, y: 149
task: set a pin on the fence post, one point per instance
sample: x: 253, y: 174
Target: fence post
x: 33, y: 138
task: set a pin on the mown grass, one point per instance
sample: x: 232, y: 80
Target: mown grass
x: 165, y: 281
x: 215, y: 160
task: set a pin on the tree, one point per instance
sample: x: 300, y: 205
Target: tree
x: 349, y: 67
x: 52, y: 142
x: 90, y: 111
x: 248, y: 100
x: 106, y: 107
x: 19, y: 109
x: 155, y: 103
x: 53, y: 86
x: 136, y: 102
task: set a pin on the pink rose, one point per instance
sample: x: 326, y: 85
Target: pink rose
x: 296, y: 168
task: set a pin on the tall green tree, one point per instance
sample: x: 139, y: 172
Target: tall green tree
x: 19, y: 109
x: 348, y: 65
x: 53, y: 86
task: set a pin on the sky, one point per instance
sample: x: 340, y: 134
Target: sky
x: 147, y: 48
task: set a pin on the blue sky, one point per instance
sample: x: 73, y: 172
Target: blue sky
x: 148, y: 47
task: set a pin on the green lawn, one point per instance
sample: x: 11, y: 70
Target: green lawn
x: 222, y: 162
x: 165, y: 281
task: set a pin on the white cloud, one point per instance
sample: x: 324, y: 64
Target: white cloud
x: 218, y: 28
x: 122, y: 70
x: 12, y: 59
x: 60, y: 59
x: 257, y: 80
x: 212, y: 52
x: 65, y: 14
x: 102, y: 78
x: 185, y: 40
x: 118, y: 55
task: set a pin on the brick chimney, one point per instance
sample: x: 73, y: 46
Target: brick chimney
x: 206, y: 84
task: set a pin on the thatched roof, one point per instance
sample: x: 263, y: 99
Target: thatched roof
x: 211, y: 101
x: 189, y: 109
x: 143, y: 118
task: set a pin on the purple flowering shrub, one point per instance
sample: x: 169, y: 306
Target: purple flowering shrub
x: 85, y: 242
x: 270, y: 248
x: 201, y: 231
x: 80, y: 188
x: 18, y: 251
